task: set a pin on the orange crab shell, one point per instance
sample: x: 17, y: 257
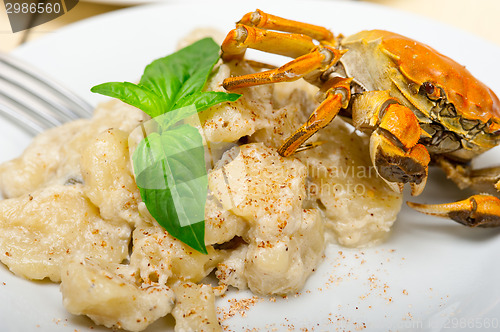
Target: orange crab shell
x: 472, y: 99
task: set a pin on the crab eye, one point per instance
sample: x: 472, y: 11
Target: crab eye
x: 431, y: 91
x: 429, y: 88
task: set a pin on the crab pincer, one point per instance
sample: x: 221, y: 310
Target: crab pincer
x: 395, y: 150
x: 475, y: 211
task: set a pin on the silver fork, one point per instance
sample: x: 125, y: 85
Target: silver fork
x: 33, y: 101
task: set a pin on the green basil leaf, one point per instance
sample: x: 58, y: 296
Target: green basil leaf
x: 169, y: 164
x: 134, y: 95
x: 172, y: 178
x: 173, y: 117
x: 182, y: 73
x: 204, y: 100
x: 162, y: 208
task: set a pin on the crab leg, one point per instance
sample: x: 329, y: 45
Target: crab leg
x: 238, y: 40
x: 483, y: 180
x: 318, y: 60
x: 486, y: 179
x: 252, y: 31
x: 476, y: 211
x: 336, y: 96
x: 266, y: 21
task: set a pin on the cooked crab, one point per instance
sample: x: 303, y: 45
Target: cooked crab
x: 418, y: 105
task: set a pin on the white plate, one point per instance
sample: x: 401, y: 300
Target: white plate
x: 432, y: 274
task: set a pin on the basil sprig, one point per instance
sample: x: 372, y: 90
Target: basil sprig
x: 169, y: 163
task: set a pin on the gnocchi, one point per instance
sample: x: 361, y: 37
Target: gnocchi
x: 73, y: 213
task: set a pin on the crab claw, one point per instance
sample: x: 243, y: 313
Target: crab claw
x: 476, y: 211
x: 395, y: 152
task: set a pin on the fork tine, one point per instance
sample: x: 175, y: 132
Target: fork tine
x: 74, y: 102
x: 39, y: 99
x: 30, y: 120
x: 36, y: 102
